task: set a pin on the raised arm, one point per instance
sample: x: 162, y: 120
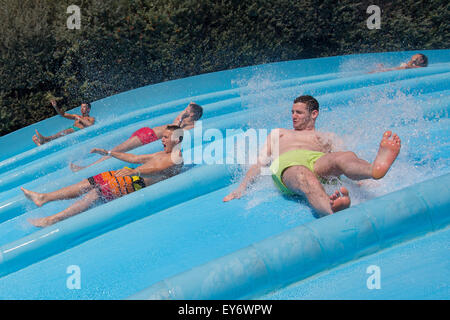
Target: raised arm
x: 61, y: 113
x: 254, y: 171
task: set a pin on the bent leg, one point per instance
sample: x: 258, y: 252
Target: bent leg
x: 69, y: 192
x: 301, y: 180
x: 43, y: 139
x: 60, y: 134
x: 81, y: 205
x: 347, y: 163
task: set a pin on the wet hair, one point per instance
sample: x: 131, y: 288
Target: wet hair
x: 178, y: 129
x: 197, y: 110
x: 88, y: 104
x: 310, y: 102
x: 424, y: 62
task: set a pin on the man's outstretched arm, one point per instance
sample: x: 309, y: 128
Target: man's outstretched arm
x: 250, y: 176
x: 128, y: 157
x: 255, y: 170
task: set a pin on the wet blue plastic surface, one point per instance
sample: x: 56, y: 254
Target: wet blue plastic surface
x: 166, y: 231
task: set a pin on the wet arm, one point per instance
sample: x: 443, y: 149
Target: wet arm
x: 128, y: 157
x: 255, y: 170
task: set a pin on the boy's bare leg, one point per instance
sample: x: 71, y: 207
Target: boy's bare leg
x: 82, y: 205
x: 42, y: 139
x: 348, y: 164
x: 69, y: 192
x: 301, y: 180
x: 125, y: 146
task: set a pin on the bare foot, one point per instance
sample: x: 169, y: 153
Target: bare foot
x: 37, y: 198
x: 40, y: 137
x: 75, y: 168
x: 340, y: 200
x: 41, y: 222
x: 36, y: 140
x: 387, y: 153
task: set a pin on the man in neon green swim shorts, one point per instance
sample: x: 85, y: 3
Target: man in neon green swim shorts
x: 307, y: 157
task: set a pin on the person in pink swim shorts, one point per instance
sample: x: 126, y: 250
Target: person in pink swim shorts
x: 185, y: 120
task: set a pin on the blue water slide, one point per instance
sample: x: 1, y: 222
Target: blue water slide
x: 177, y: 239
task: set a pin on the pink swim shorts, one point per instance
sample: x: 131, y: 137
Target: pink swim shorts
x: 146, y: 135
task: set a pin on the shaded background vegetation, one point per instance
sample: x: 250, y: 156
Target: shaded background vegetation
x: 125, y: 44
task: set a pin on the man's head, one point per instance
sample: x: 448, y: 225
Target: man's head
x: 419, y: 60
x: 304, y: 112
x: 192, y: 113
x: 172, y: 136
x: 85, y: 108
x: 195, y: 110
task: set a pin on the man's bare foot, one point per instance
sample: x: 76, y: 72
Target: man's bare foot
x: 75, y: 168
x: 41, y: 222
x: 40, y: 137
x: 387, y: 153
x: 36, y: 140
x: 340, y: 200
x: 37, y: 198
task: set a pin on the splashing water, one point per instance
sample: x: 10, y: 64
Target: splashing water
x: 360, y: 123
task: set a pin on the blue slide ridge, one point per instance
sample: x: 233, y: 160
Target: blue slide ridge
x: 178, y: 240
x: 308, y: 249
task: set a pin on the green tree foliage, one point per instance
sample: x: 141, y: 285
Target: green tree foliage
x: 125, y: 44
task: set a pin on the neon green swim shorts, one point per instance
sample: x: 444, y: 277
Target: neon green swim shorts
x: 299, y: 157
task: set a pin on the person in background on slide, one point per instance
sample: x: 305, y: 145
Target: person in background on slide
x: 111, y: 185
x: 81, y: 122
x: 186, y: 120
x: 309, y: 157
x: 417, y: 61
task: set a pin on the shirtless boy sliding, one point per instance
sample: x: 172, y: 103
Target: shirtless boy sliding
x: 81, y: 122
x: 308, y: 156
x: 418, y: 60
x: 111, y: 185
x: 185, y: 120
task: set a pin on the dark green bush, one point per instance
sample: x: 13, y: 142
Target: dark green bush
x: 126, y: 44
